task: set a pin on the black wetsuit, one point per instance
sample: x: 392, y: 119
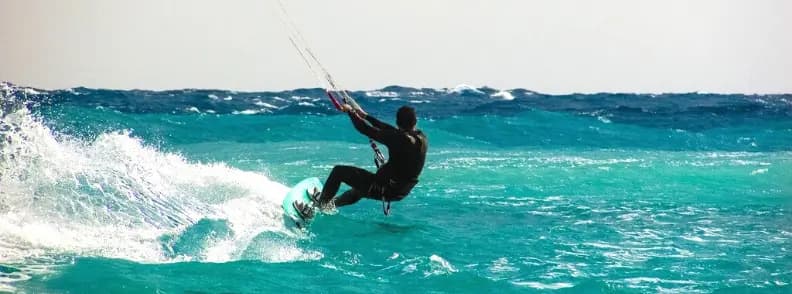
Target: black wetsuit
x: 394, y: 180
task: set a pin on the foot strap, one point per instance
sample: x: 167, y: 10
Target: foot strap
x: 315, y: 195
x: 306, y: 212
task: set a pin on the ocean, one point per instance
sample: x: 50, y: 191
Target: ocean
x: 136, y: 191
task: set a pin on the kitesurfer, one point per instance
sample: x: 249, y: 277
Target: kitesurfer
x: 395, y: 179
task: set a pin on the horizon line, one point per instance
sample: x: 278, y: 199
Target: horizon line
x: 401, y: 86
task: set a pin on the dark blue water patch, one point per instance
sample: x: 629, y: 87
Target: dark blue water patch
x: 685, y: 111
x: 691, y: 111
x: 469, y: 117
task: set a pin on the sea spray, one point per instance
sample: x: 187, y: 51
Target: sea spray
x: 117, y: 197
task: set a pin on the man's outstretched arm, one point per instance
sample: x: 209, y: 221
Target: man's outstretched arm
x: 365, y: 129
x: 378, y: 123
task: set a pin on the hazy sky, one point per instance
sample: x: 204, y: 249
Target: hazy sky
x: 552, y: 46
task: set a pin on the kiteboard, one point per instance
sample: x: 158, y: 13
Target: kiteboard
x: 300, y: 192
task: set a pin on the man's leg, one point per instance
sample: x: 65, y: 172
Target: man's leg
x: 357, y: 178
x: 353, y: 195
x: 349, y: 197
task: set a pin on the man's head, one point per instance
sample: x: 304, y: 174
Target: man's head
x: 405, y: 118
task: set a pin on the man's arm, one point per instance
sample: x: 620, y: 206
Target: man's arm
x: 369, y: 131
x: 377, y: 123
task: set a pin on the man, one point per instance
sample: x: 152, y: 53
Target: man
x: 394, y: 179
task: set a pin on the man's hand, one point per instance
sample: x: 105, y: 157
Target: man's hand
x: 347, y: 108
x: 357, y: 114
x: 351, y: 110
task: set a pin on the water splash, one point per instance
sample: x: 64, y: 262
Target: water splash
x: 116, y: 197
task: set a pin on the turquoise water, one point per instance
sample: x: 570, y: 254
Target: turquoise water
x: 125, y: 193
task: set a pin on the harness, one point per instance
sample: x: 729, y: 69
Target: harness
x: 376, y: 189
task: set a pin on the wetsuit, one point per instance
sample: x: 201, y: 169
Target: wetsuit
x: 394, y: 179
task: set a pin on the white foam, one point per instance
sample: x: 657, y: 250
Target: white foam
x: 116, y: 197
x: 601, y: 245
x: 410, y: 268
x: 727, y: 154
x: 289, y: 253
x: 464, y: 88
x: 30, y: 91
x: 538, y: 285
x: 378, y: 93
x: 246, y: 112
x: 503, y: 94
x: 603, y: 119
x: 694, y: 239
x: 439, y: 266
x: 554, y: 198
x: 577, y: 160
x: 759, y: 171
x: 749, y: 162
x: 265, y: 104
x: 502, y: 265
x: 6, y: 87
x: 7, y: 288
x: 628, y: 216
x: 640, y: 280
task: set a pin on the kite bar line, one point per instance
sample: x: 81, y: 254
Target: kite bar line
x: 321, y: 73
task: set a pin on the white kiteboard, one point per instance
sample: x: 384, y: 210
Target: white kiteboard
x: 300, y: 192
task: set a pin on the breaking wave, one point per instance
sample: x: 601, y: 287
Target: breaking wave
x: 116, y: 197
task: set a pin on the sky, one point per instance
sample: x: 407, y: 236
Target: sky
x: 550, y: 46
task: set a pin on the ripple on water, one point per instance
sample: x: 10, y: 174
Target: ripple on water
x: 543, y: 286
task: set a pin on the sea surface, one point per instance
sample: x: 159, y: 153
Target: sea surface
x: 135, y: 191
